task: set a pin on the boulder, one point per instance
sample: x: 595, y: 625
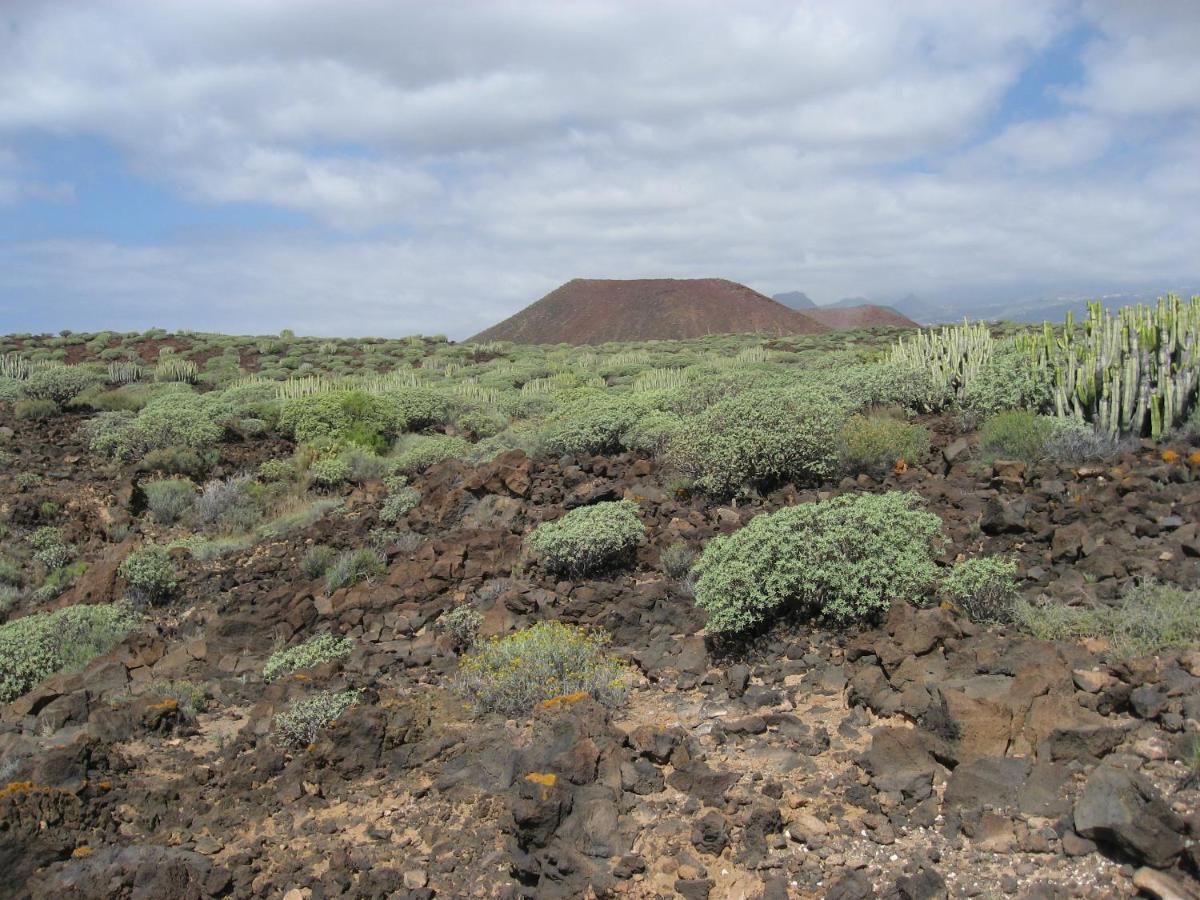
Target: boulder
x: 1122, y: 809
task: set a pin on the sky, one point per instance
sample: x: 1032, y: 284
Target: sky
x: 363, y: 167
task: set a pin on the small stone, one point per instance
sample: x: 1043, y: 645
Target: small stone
x: 415, y: 879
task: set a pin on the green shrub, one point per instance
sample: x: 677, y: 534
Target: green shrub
x: 510, y: 675
x: 37, y: 646
x: 589, y: 538
x: 59, y: 384
x: 169, y: 498
x: 759, y: 436
x: 299, y: 725
x: 35, y: 410
x: 677, y: 560
x: 1150, y: 618
x: 984, y: 588
x: 229, y: 503
x: 420, y: 451
x: 651, y: 433
x: 354, y: 566
x: 188, y: 696
x: 874, y: 444
x: 10, y: 572
x: 1009, y: 380
x: 150, y: 574
x: 50, y: 547
x: 58, y: 580
x: 400, y: 500
x: 842, y: 559
x: 315, y: 651
x: 590, y: 424
x: 356, y: 417
x: 193, y: 464
x: 329, y: 471
x: 173, y: 420
x: 277, y: 470
x: 462, y: 625
x: 1016, y: 434
x: 317, y: 560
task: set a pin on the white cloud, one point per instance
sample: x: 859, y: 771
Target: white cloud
x: 837, y: 148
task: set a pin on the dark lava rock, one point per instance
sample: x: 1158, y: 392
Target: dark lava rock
x: 1123, y: 810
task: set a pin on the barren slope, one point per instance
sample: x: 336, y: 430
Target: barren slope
x: 593, y: 311
x: 867, y: 316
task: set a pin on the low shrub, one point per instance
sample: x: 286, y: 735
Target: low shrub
x: 875, y: 444
x: 277, y: 470
x: 420, y: 451
x: 37, y: 646
x: 589, y: 538
x: 984, y: 588
x: 228, y: 503
x: 677, y: 560
x: 462, y: 625
x: 1150, y: 618
x: 590, y: 424
x: 329, y: 471
x: 35, y: 410
x: 299, y: 725
x: 58, y: 384
x: 354, y: 566
x: 58, y: 580
x: 399, y: 501
x: 150, y: 574
x: 651, y: 433
x: 1009, y: 380
x: 317, y: 560
x: 193, y: 464
x: 1017, y: 434
x: 842, y: 559
x: 510, y: 675
x: 1073, y: 441
x: 315, y: 651
x: 759, y: 436
x: 50, y: 547
x: 169, y: 498
x: 188, y: 695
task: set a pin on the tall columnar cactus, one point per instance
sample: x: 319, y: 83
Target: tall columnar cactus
x: 953, y: 355
x: 1132, y: 372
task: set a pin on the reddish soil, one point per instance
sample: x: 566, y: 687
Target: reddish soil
x: 866, y: 316
x: 593, y: 311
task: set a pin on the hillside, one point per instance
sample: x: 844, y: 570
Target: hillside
x: 593, y: 311
x: 867, y: 316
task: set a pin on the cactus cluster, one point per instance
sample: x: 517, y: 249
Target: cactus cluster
x: 172, y: 368
x: 124, y: 372
x: 952, y: 355
x: 13, y: 365
x: 1132, y: 372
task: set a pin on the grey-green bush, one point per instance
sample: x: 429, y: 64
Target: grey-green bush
x: 169, y: 498
x: 299, y: 725
x: 984, y: 588
x: 512, y: 674
x: 589, y: 538
x: 150, y: 574
x: 843, y: 559
x: 761, y: 435
x: 37, y: 646
x: 319, y: 649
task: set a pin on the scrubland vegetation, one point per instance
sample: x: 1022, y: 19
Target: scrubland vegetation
x: 329, y: 558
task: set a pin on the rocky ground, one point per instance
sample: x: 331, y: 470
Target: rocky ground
x: 928, y: 757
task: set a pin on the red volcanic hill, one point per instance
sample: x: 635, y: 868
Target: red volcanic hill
x: 595, y: 310
x: 865, y: 316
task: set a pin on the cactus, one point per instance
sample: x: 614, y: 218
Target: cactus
x: 1132, y: 372
x: 953, y: 355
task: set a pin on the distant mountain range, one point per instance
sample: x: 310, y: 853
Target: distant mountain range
x: 1033, y: 307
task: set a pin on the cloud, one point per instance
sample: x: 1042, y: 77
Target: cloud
x: 455, y: 160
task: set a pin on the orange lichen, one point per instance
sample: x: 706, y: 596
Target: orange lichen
x: 80, y: 852
x: 563, y: 699
x: 1194, y: 458
x: 900, y: 467
x: 545, y: 779
x: 104, y: 785
x: 19, y: 787
x: 1170, y: 456
x: 167, y: 704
